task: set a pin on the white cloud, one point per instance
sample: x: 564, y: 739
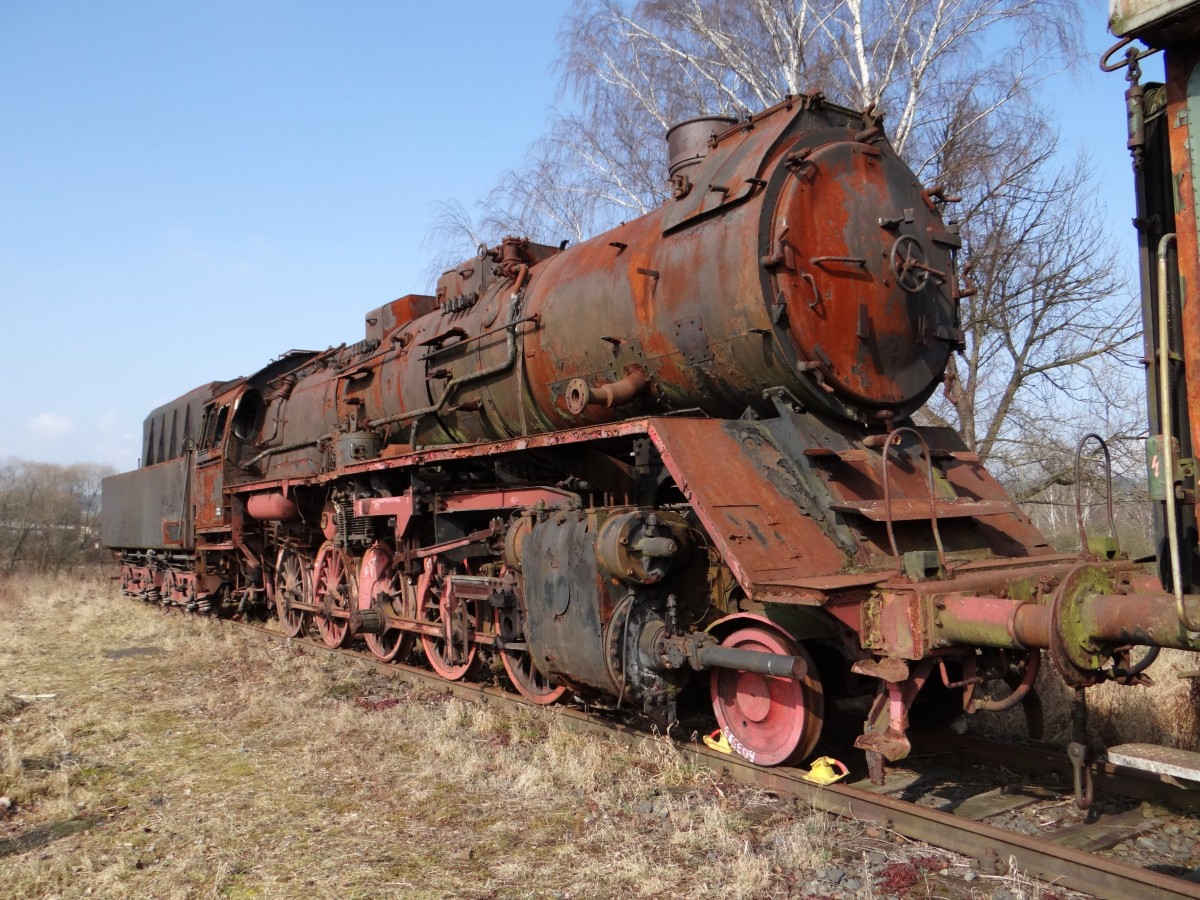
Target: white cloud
x: 50, y: 425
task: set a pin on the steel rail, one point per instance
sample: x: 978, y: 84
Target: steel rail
x: 988, y: 845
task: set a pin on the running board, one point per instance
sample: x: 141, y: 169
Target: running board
x: 1181, y: 764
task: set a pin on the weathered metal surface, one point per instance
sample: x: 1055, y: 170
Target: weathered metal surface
x: 844, y: 476
x: 392, y: 316
x: 768, y: 720
x: 673, y: 310
x: 139, y: 581
x: 1183, y: 125
x: 977, y: 621
x: 763, y: 536
x: 381, y: 591
x: 179, y: 588
x: 1170, y: 761
x: 569, y: 607
x: 895, y: 624
x: 757, y: 661
x: 1148, y: 619
x: 271, y: 507
x: 334, y: 593
x: 207, y: 496
x: 451, y: 644
x: 585, y: 458
x: 148, y: 508
x: 1157, y: 21
x: 292, y: 591
x: 505, y: 498
x: 689, y: 142
x: 879, y: 339
x: 640, y: 548
x: 512, y: 644
x: 918, y: 510
x: 172, y: 428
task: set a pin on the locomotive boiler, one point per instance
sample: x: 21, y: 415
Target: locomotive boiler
x: 683, y: 446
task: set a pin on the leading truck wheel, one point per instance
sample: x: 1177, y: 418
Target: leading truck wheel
x: 768, y: 720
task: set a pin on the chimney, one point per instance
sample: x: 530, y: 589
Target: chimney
x: 687, y: 142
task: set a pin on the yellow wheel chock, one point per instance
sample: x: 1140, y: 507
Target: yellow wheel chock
x: 825, y: 770
x: 717, y: 741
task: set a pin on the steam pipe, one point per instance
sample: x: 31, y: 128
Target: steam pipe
x: 1033, y: 663
x: 273, y: 451
x: 616, y: 393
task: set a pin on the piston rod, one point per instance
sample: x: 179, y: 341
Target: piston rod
x: 714, y: 656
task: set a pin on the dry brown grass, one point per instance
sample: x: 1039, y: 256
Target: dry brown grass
x: 223, y: 766
x: 1166, y: 712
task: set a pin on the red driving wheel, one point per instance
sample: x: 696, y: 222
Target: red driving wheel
x: 768, y: 720
x: 334, y: 589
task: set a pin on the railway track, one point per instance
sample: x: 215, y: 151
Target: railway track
x: 908, y: 804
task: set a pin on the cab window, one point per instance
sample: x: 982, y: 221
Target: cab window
x: 214, y: 426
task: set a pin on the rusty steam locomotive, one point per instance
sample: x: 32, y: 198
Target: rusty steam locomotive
x: 682, y: 446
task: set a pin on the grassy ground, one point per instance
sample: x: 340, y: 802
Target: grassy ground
x: 150, y: 755
x: 177, y: 758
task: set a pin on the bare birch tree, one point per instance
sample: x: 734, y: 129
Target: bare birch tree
x: 1051, y: 327
x: 636, y: 69
x: 1050, y: 308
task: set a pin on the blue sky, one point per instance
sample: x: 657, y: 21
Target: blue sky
x: 189, y: 189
